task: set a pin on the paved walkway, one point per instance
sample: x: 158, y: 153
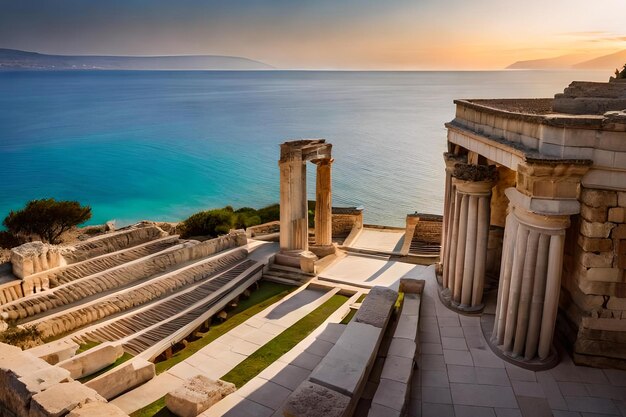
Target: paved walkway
x: 369, y: 271
x: 382, y: 240
x: 459, y: 375
x: 265, y: 395
x: 227, y: 351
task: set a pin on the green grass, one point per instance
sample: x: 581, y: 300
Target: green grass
x: 267, y: 294
x: 349, y: 316
x: 283, y: 343
x: 125, y: 357
x: 86, y: 346
x: 155, y: 409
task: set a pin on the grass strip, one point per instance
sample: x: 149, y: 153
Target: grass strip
x: 283, y: 343
x: 125, y: 357
x: 267, y: 294
x: 155, y: 409
x: 86, y: 346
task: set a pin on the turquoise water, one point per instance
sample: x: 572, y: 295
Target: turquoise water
x: 162, y: 145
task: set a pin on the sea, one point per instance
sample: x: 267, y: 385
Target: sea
x: 162, y: 145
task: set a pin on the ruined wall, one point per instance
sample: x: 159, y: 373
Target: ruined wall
x: 344, y: 220
x: 428, y: 228
x: 594, y: 280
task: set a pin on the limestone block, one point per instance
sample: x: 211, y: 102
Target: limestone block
x: 617, y: 214
x: 196, y: 395
x: 596, y: 260
x: 411, y: 304
x: 377, y: 410
x: 60, y: 399
x: 398, y: 369
x: 97, y: 409
x: 616, y: 303
x: 619, y: 232
x: 593, y: 214
x: 594, y: 244
x: 55, y: 352
x: 123, y: 378
x: 598, y: 198
x: 621, y: 198
x: 402, y: 347
x: 345, y: 366
x: 376, y: 308
x: 313, y: 400
x: 391, y: 394
x: 33, y: 257
x: 407, y: 327
x: 413, y: 286
x: 595, y: 230
x: 92, y: 360
x: 604, y: 274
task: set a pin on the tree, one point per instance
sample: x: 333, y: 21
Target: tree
x: 47, y: 218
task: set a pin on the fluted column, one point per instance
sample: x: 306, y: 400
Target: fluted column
x: 293, y: 205
x: 467, y: 233
x: 323, y: 203
x: 530, y: 280
x: 448, y: 211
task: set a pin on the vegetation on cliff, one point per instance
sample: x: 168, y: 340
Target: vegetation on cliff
x: 217, y: 222
x: 46, y: 218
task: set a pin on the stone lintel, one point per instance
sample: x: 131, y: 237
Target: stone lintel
x: 554, y: 220
x: 551, y: 179
x: 548, y: 207
x: 305, y: 150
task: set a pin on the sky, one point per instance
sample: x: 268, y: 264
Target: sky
x: 322, y: 34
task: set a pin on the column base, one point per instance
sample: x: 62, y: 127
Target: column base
x: 536, y: 364
x: 301, y: 259
x: 445, y: 296
x: 322, y: 250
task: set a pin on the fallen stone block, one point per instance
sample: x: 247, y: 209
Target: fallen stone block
x: 122, y: 378
x: 196, y: 395
x: 55, y: 352
x: 313, y: 400
x: 97, y: 409
x: 398, y: 369
x: 376, y: 308
x: 402, y: 347
x: 411, y: 304
x: 345, y: 367
x: 60, y: 399
x: 391, y: 394
x: 92, y: 360
x: 412, y: 286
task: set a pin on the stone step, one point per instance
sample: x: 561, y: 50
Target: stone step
x: 282, y: 280
x: 289, y: 269
x: 289, y: 275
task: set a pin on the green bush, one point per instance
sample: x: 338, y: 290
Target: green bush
x: 8, y: 240
x: 217, y: 222
x: 47, y: 218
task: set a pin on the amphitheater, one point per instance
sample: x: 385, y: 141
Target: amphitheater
x: 511, y: 304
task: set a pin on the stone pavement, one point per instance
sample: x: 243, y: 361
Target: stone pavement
x: 265, y: 395
x: 459, y: 375
x: 227, y: 351
x: 369, y: 271
x: 381, y: 240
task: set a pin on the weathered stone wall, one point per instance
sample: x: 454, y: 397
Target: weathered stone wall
x: 594, y: 300
x: 428, y: 229
x: 263, y: 229
x: 345, y: 220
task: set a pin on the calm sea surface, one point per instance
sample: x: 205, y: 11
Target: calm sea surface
x: 162, y: 145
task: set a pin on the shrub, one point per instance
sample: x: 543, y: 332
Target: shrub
x: 8, y: 240
x: 219, y: 221
x: 47, y: 218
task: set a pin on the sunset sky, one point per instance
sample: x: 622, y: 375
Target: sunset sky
x: 322, y: 34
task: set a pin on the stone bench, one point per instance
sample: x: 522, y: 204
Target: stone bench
x: 55, y: 352
x: 31, y: 387
x: 394, y: 387
x: 196, y: 395
x: 123, y: 378
x: 92, y: 360
x: 335, y: 385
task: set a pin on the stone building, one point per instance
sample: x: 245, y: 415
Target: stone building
x: 536, y: 200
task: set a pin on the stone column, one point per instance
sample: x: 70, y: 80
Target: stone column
x: 467, y: 236
x: 448, y: 210
x: 293, y: 205
x: 323, y: 204
x: 530, y: 279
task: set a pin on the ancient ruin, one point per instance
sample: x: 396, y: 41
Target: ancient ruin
x: 562, y: 172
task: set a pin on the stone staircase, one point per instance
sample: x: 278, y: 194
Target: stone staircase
x: 287, y: 275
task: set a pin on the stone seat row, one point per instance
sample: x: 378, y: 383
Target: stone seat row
x: 334, y: 387
x: 28, y: 308
x: 136, y: 296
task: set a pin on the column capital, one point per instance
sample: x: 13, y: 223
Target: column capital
x: 451, y: 160
x: 323, y: 161
x: 551, y: 179
x: 550, y: 215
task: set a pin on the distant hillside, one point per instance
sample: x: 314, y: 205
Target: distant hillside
x: 15, y: 59
x: 607, y: 62
x: 575, y: 61
x: 559, y: 62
